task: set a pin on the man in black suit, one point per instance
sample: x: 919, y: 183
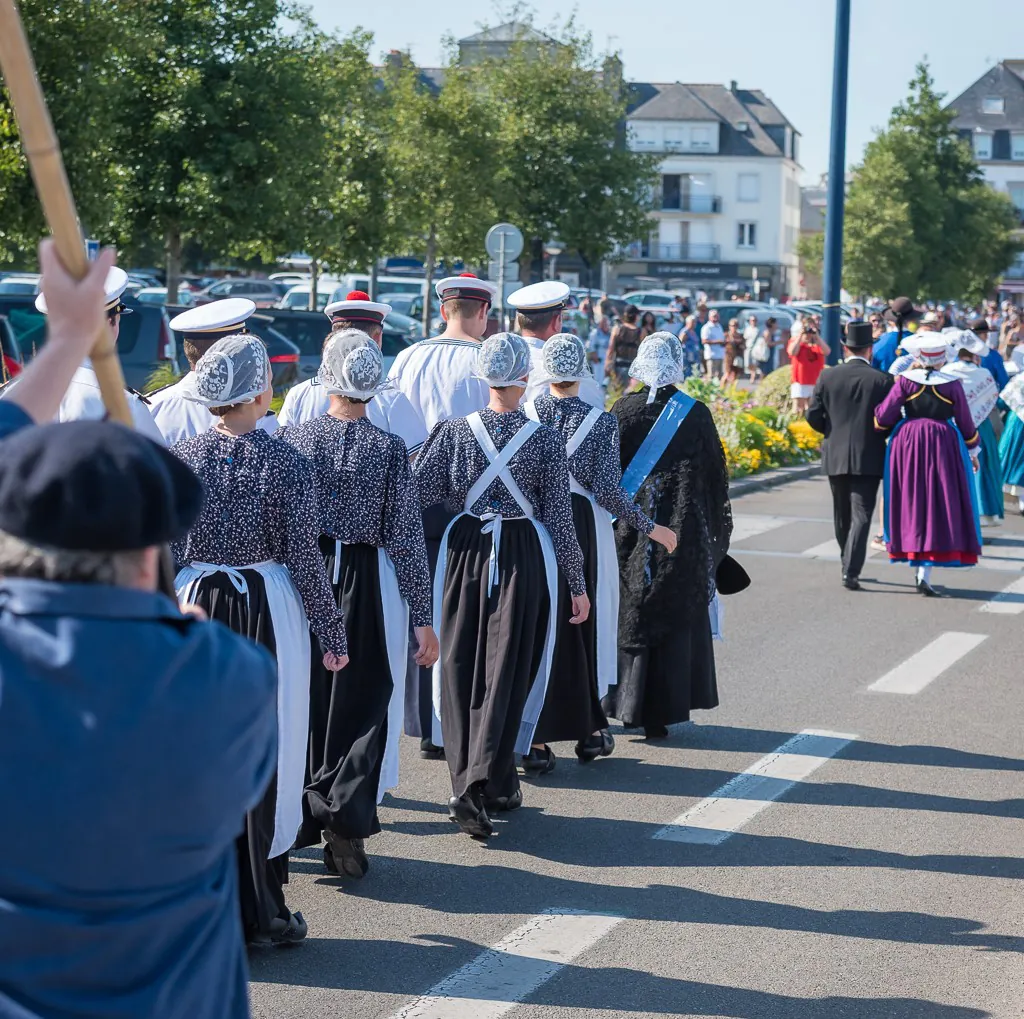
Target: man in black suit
x: 853, y: 453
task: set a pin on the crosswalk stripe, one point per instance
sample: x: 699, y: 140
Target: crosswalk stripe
x: 729, y: 808
x: 500, y: 977
x: 920, y: 669
x: 830, y: 550
x: 1009, y: 601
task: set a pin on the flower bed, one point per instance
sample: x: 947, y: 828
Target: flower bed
x: 757, y: 428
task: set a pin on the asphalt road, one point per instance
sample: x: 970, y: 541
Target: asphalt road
x: 870, y: 872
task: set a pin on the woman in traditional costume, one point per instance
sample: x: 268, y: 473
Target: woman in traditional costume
x: 252, y: 561
x: 982, y: 393
x: 373, y: 547
x: 585, y: 655
x: 931, y: 515
x: 1011, y: 445
x: 496, y: 586
x: 675, y: 469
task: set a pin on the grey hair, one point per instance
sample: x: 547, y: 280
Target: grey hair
x: 19, y: 558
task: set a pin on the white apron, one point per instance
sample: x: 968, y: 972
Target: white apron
x: 491, y: 524
x: 605, y: 600
x: 291, y: 636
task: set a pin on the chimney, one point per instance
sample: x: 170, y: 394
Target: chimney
x: 732, y: 86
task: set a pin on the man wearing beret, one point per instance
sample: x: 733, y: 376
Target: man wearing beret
x: 132, y: 737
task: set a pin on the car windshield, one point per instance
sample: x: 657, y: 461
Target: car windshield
x: 18, y: 288
x: 400, y: 303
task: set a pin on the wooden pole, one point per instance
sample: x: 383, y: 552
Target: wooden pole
x: 42, y: 148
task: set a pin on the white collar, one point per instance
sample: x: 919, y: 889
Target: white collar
x: 924, y: 378
x: 856, y: 357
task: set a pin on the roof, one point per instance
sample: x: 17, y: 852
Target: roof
x: 1002, y: 81
x: 765, y: 125
x: 510, y: 32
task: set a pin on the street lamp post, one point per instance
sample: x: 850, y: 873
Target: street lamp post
x: 836, y: 181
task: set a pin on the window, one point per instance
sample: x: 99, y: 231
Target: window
x: 700, y: 138
x: 983, y: 145
x: 1016, y: 192
x: 746, y: 235
x: 1017, y: 145
x: 749, y: 187
x: 220, y: 290
x: 643, y: 138
x: 993, y: 104
x: 673, y: 138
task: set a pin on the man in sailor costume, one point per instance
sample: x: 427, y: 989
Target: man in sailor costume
x: 176, y: 416
x: 83, y: 401
x: 390, y: 410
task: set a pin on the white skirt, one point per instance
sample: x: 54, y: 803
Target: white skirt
x: 801, y: 392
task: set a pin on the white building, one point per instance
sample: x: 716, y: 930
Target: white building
x: 728, y: 207
x: 990, y: 116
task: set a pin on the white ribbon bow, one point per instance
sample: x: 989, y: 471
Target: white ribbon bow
x: 236, y: 578
x: 492, y: 526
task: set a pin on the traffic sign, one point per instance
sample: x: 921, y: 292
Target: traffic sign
x: 513, y: 238
x: 510, y: 275
x: 92, y: 248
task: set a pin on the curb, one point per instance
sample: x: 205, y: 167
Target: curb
x: 771, y: 479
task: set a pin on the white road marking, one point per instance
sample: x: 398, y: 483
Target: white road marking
x: 998, y: 565
x: 749, y: 525
x: 830, y: 550
x: 1009, y: 601
x: 728, y: 809
x: 913, y: 675
x: 499, y: 978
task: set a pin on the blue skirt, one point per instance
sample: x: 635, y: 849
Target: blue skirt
x: 990, y: 478
x: 1011, y: 450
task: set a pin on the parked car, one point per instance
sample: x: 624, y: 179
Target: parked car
x: 742, y: 310
x: 291, y: 278
x: 385, y: 284
x: 11, y: 358
x: 22, y: 284
x: 658, y: 301
x: 297, y: 296
x: 264, y: 293
x: 158, y: 295
x: 308, y: 330
x: 144, y: 343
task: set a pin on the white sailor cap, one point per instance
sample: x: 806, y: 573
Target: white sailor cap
x: 357, y: 307
x: 548, y: 295
x: 115, y: 285
x: 925, y: 342
x: 218, y: 317
x: 466, y: 286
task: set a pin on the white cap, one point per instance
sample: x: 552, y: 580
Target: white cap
x: 357, y: 307
x: 658, y: 362
x: 466, y: 287
x: 236, y: 369
x: 115, y: 285
x: 352, y: 366
x: 930, y: 318
x: 548, y: 295
x: 925, y: 343
x: 503, y: 360
x: 966, y: 339
x: 565, y: 359
x: 215, y: 317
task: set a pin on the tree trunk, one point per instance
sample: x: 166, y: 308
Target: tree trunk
x: 314, y: 282
x: 172, y: 249
x: 428, y: 266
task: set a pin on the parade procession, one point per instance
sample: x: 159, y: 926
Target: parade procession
x: 461, y: 638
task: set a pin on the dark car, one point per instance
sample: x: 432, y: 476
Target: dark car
x: 265, y: 293
x: 308, y: 330
x: 143, y: 344
x: 283, y: 353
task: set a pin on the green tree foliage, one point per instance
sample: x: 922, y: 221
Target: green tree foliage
x: 920, y: 219
x: 566, y: 170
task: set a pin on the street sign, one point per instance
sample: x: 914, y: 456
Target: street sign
x: 513, y: 241
x: 92, y: 248
x: 510, y: 275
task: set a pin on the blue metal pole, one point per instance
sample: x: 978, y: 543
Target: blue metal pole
x: 836, y: 183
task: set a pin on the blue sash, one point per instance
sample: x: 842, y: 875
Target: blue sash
x: 658, y: 438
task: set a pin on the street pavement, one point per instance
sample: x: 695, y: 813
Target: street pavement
x: 862, y: 860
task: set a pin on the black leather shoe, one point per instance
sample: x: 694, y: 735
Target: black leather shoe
x: 472, y: 819
x: 923, y: 587
x: 539, y: 761
x: 348, y: 855
x: 852, y: 584
x: 504, y: 803
x: 655, y: 732
x: 431, y: 751
x: 597, y: 744
x: 282, y: 931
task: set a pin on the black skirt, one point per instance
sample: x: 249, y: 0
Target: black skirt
x: 491, y: 650
x: 663, y: 683
x: 572, y: 708
x: 348, y: 710
x: 261, y: 881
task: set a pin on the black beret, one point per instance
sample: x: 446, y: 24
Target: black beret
x: 94, y: 486
x: 903, y: 307
x: 979, y: 325
x: 858, y: 334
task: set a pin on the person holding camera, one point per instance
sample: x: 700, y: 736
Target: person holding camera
x: 807, y: 353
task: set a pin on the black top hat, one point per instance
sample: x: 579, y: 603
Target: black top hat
x: 859, y: 335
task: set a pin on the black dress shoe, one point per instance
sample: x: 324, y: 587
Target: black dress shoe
x: 470, y: 817
x: 499, y: 804
x: 655, y: 732
x: 348, y: 855
x: 923, y: 587
x: 597, y: 744
x: 539, y: 761
x: 852, y: 584
x: 282, y: 931
x: 430, y: 751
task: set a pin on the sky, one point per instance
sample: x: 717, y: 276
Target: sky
x: 783, y: 47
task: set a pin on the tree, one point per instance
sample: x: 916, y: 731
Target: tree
x: 445, y: 159
x: 566, y: 171
x: 920, y: 220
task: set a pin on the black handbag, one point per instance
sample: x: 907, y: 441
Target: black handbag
x: 730, y: 577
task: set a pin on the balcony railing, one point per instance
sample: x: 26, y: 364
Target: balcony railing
x: 672, y: 252
x: 691, y: 203
x: 1016, y: 271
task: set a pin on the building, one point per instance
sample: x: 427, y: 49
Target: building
x: 990, y: 117
x: 813, y: 203
x: 727, y: 214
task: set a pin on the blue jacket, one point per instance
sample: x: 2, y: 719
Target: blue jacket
x: 132, y: 741
x: 993, y: 361
x: 884, y: 351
